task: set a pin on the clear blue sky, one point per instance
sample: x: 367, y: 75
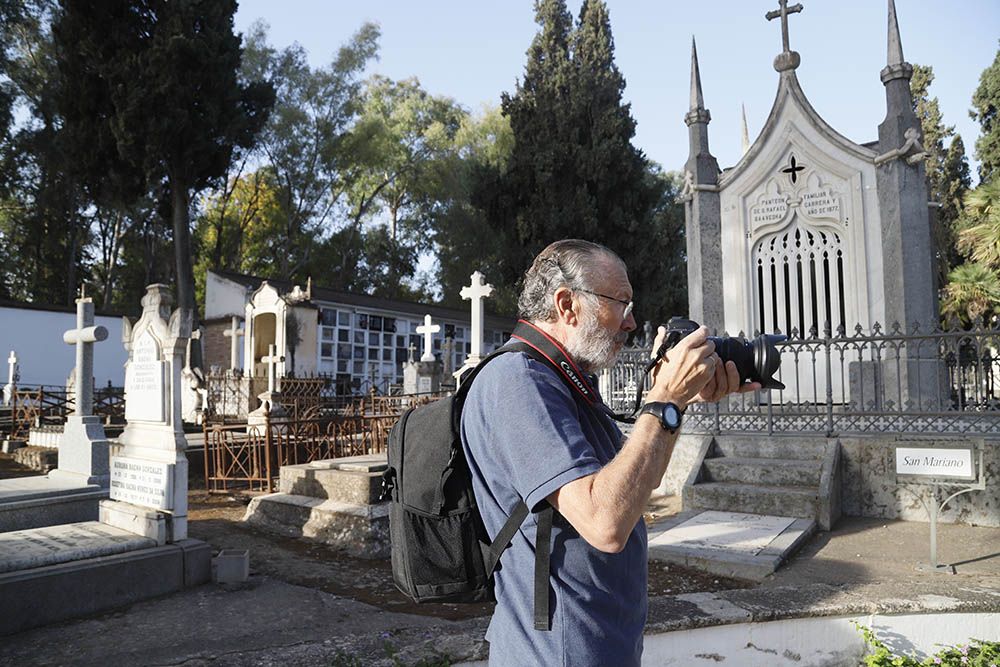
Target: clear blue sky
x: 473, y: 50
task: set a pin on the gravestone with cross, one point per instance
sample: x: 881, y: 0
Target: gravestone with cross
x: 234, y: 333
x: 270, y: 400
x: 83, y: 447
x: 8, y: 389
x: 424, y: 376
x: 475, y: 292
x: 149, y: 467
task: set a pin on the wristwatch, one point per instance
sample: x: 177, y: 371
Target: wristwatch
x: 668, y: 413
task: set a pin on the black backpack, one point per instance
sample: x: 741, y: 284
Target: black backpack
x: 440, y: 549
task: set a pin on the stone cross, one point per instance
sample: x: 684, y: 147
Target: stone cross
x: 84, y: 337
x: 234, y: 333
x: 272, y: 360
x: 476, y: 292
x: 8, y: 390
x: 783, y: 11
x: 428, y: 330
x: 411, y: 351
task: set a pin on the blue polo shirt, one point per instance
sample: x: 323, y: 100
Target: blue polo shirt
x: 526, y: 434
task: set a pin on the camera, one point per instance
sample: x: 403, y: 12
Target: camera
x: 756, y: 360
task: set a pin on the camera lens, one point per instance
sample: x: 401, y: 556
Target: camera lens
x: 756, y: 360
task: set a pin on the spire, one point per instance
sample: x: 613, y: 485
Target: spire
x: 697, y: 100
x: 896, y: 67
x: 745, y: 132
x: 895, y: 44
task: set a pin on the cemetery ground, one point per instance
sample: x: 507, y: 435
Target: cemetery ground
x: 306, y: 604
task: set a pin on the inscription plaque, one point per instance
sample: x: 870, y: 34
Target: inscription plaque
x: 144, y: 381
x: 142, y: 482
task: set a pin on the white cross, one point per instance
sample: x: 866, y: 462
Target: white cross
x: 84, y: 337
x: 234, y: 332
x: 272, y: 361
x: 8, y: 389
x: 476, y: 292
x: 12, y: 364
x: 428, y: 330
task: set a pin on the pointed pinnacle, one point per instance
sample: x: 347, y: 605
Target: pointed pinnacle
x: 745, y: 131
x: 894, y: 43
x: 697, y: 101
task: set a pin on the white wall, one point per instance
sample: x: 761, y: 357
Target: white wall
x: 223, y: 297
x: 43, y: 357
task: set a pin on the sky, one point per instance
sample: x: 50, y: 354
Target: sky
x: 473, y: 50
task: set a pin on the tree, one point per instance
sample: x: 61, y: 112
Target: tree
x: 398, y: 177
x: 302, y: 143
x: 43, y: 232
x: 974, y: 287
x: 947, y: 169
x: 985, y: 110
x: 573, y: 171
x: 149, y: 93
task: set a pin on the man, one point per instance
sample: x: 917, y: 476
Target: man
x: 527, y: 435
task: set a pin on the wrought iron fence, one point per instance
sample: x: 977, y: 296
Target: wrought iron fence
x: 250, y: 456
x: 894, y: 380
x: 231, y: 397
x: 39, y: 405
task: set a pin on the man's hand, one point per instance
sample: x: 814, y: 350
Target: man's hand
x: 685, y: 370
x: 724, y: 380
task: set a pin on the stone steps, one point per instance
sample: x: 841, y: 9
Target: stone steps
x: 790, y: 501
x: 767, y: 472
x: 361, y: 531
x: 765, y: 447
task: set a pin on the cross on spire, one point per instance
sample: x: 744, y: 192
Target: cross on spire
x: 783, y: 11
x: 428, y: 330
x: 476, y: 292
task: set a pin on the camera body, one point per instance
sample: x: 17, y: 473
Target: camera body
x: 756, y: 360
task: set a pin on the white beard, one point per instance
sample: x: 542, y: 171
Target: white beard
x: 594, y: 347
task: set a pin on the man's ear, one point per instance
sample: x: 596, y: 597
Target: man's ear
x: 566, y: 306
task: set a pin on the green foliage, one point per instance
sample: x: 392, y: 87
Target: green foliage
x: 977, y: 653
x: 947, y: 169
x: 573, y: 171
x: 986, y: 111
x: 149, y: 94
x: 303, y: 148
x: 973, y: 290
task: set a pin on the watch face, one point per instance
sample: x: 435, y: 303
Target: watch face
x: 671, y: 416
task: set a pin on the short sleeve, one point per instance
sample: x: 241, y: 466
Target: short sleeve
x: 522, y: 428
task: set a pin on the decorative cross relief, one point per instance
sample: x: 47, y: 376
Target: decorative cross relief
x: 476, y: 292
x: 793, y: 169
x: 272, y: 360
x: 84, y: 337
x: 234, y: 333
x: 428, y: 330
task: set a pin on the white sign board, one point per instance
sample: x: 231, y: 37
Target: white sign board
x: 142, y: 482
x: 955, y: 463
x: 144, y: 381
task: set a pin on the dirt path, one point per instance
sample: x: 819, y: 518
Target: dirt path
x: 216, y: 519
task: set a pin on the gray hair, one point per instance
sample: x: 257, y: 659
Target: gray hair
x: 567, y: 263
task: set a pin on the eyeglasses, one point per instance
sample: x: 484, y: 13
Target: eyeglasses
x: 627, y: 304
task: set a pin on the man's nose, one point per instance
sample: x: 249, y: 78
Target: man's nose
x: 629, y: 324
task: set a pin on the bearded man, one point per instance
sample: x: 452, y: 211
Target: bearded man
x: 529, y: 435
